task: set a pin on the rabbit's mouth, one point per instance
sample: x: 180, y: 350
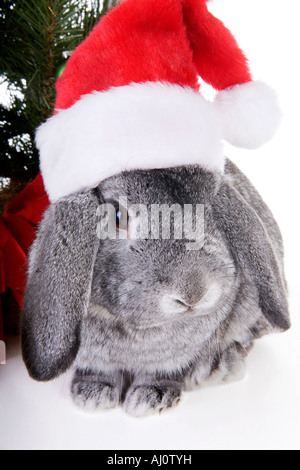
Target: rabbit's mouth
x: 198, y: 304
x: 190, y: 310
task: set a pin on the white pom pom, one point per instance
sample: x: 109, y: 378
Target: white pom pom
x: 250, y: 114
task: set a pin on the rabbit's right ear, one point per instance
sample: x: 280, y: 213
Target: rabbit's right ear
x: 58, y: 288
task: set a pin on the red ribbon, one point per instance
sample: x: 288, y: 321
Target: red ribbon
x: 18, y: 227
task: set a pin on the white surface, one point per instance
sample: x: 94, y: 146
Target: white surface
x: 263, y: 410
x: 260, y: 412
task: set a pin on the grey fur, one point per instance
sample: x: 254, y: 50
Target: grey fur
x: 112, y: 309
x: 59, y: 283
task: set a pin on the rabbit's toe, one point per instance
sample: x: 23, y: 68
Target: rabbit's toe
x: 145, y: 400
x: 94, y: 395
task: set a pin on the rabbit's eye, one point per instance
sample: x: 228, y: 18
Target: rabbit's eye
x: 122, y: 218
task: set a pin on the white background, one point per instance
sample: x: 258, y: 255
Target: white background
x: 263, y: 410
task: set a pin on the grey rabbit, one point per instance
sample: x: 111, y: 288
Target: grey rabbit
x: 143, y: 320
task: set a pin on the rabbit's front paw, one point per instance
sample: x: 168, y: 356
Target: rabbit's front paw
x: 142, y: 400
x: 93, y: 394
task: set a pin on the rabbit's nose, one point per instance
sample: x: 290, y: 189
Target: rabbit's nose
x: 190, y: 302
x: 177, y: 304
x: 182, y: 303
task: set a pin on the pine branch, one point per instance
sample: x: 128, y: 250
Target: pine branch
x: 35, y: 35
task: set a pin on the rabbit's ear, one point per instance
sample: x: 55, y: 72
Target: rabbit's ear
x: 59, y: 281
x: 253, y: 251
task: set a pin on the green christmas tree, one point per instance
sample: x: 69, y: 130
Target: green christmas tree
x: 37, y: 38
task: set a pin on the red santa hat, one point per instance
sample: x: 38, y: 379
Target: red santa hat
x: 129, y: 97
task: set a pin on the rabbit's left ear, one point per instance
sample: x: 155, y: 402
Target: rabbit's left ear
x: 253, y: 251
x: 61, y: 264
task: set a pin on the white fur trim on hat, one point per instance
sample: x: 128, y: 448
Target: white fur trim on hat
x: 147, y: 126
x: 144, y: 126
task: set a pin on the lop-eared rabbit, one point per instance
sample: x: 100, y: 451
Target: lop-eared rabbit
x: 141, y: 319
